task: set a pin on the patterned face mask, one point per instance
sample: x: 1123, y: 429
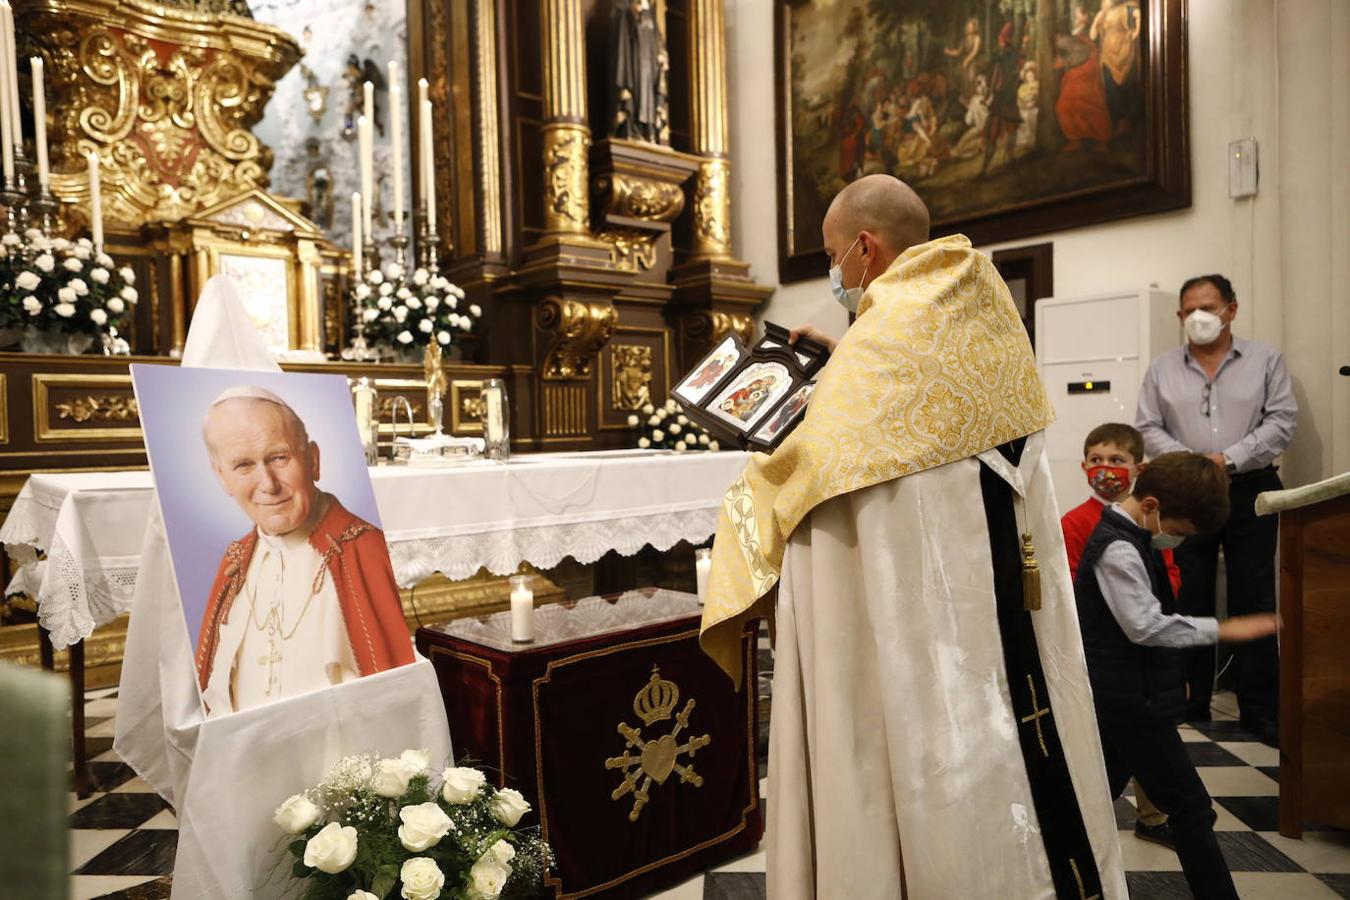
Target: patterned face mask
x: 1109, y: 481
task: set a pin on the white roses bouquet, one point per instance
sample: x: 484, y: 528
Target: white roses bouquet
x: 392, y: 828
x: 666, y: 428
x: 408, y: 309
x: 58, y: 286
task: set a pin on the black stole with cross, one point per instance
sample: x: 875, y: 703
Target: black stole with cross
x: 1068, y: 850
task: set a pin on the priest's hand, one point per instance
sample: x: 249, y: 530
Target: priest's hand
x: 811, y: 332
x: 1248, y: 628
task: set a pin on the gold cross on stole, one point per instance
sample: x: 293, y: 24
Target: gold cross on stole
x: 1036, y: 715
x: 1078, y: 877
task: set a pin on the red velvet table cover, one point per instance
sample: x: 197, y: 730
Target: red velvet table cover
x: 547, y: 718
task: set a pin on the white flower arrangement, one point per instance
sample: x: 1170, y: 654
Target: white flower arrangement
x: 412, y: 307
x: 47, y: 285
x: 666, y: 428
x: 393, y: 828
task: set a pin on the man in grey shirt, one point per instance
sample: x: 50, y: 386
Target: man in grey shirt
x: 1230, y: 399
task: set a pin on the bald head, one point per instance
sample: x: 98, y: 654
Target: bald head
x: 871, y: 222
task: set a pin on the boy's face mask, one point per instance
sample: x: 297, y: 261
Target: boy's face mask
x: 1110, y: 481
x: 1161, y: 539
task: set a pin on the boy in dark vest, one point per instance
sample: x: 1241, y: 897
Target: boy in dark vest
x: 1132, y: 638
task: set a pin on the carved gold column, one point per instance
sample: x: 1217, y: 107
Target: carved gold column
x: 714, y: 294
x: 567, y: 137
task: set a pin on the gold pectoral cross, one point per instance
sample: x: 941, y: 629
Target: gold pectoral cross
x: 270, y: 660
x: 1036, y: 715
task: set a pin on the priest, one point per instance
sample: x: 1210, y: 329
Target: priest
x: 307, y: 598
x: 933, y: 732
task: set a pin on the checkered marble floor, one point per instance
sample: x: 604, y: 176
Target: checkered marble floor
x: 122, y: 837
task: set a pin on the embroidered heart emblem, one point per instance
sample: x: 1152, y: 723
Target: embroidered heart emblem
x: 658, y: 758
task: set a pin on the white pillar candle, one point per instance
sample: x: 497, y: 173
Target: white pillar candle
x: 396, y: 145
x: 40, y: 119
x: 522, y: 610
x: 428, y: 165
x: 363, y: 126
x: 10, y: 129
x: 702, y: 568
x: 422, y: 123
x: 95, y: 203
x: 358, y: 245
x: 368, y: 101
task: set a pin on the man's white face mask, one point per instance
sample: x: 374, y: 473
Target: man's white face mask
x: 1203, y: 327
x: 849, y: 298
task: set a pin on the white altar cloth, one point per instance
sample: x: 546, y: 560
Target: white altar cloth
x: 536, y: 508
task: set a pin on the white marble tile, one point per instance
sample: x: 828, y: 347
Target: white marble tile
x: 102, y: 729
x: 1190, y: 735
x: 162, y: 819
x: 1224, y: 705
x: 1146, y: 856
x: 1226, y: 821
x: 134, y: 786
x: 1253, y: 753
x: 107, y: 756
x: 86, y: 843
x: 1281, y: 886
x: 97, y: 709
x: 87, y: 887
x: 76, y: 803
x: 1237, y: 781
x: 1319, y: 851
x: 690, y: 890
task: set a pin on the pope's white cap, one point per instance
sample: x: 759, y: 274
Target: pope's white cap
x: 249, y: 392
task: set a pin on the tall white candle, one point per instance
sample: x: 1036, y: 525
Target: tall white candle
x: 367, y: 175
x: 95, y: 203
x: 702, y: 569
x: 368, y: 101
x: 12, y: 67
x: 11, y: 132
x: 358, y: 244
x: 429, y: 165
x: 423, y: 123
x: 396, y: 142
x: 522, y: 610
x: 40, y: 119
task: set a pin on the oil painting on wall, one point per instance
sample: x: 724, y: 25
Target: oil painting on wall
x: 1009, y: 117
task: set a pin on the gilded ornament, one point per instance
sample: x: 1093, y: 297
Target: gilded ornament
x: 630, y: 250
x: 578, y: 331
x: 99, y: 408
x: 658, y: 758
x: 632, y: 368
x: 712, y: 209
x: 566, y: 147
x: 640, y: 198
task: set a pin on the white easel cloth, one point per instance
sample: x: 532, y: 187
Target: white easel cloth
x: 224, y: 777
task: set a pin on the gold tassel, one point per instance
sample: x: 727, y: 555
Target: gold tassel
x: 1031, y: 575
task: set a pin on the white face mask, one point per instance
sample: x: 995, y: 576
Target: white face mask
x: 849, y: 298
x: 1203, y: 327
x: 1164, y: 541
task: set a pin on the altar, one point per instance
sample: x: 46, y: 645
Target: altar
x: 633, y: 747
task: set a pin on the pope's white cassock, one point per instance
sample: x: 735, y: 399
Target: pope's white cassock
x: 932, y: 732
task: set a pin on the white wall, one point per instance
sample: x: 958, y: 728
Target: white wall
x: 1259, y: 68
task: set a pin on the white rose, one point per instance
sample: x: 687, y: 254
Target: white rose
x: 682, y: 420
x: 362, y: 291
x: 393, y: 270
x: 643, y: 443
x: 33, y: 234
x: 11, y: 240
x: 431, y: 302
x: 632, y: 421
x: 508, y: 806
x: 648, y: 409
x: 423, y: 825
x: 362, y: 895
x: 658, y: 435
x: 392, y: 777
x: 331, y: 850
x: 128, y: 294
x: 451, y: 302
x: 487, y: 878
x: 439, y: 283
x: 703, y: 439
x: 404, y: 337
x: 100, y: 276
x: 420, y: 277
x: 475, y: 310
x: 384, y: 303
x: 670, y: 406
x: 712, y: 445
x: 403, y: 293
x: 99, y: 316
x: 386, y: 289
x: 422, y: 879
x: 27, y: 281
x: 116, y: 306
x: 127, y: 274
x: 104, y: 260
x: 374, y: 276
x: 425, y: 326
x: 296, y: 814
x: 443, y: 338
x: 32, y: 305
x: 674, y: 427
x: 85, y: 243
x: 654, y: 420
x: 78, y: 286
x: 681, y: 446
x: 419, y: 758
x: 370, y: 315
x: 466, y: 323
x: 500, y: 852
x: 462, y: 784
x: 83, y: 250
x: 412, y: 302
x: 72, y: 264
x: 60, y: 244
x: 457, y: 291
x: 45, y: 262
x: 66, y: 295
x: 400, y: 313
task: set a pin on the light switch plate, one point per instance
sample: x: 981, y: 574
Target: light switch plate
x: 1242, y: 168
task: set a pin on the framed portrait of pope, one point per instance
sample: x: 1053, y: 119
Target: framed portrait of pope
x: 274, y: 535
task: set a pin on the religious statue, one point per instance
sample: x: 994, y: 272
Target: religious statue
x: 357, y: 73
x: 638, y: 73
x: 436, y: 384
x: 632, y: 376
x: 319, y: 186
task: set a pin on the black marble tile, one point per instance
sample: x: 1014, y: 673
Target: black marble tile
x: 765, y: 657
x: 1247, y: 851
x: 148, y: 852
x: 108, y: 775
x: 1273, y: 772
x: 734, y: 886
x: 118, y: 811
x: 1158, y: 885
x: 1227, y: 730
x: 1204, y: 753
x: 1125, y: 814
x: 159, y: 889
x: 1338, y: 883
x: 1257, y: 813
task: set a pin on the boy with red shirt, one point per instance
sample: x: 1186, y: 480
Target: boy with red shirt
x: 1111, y: 457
